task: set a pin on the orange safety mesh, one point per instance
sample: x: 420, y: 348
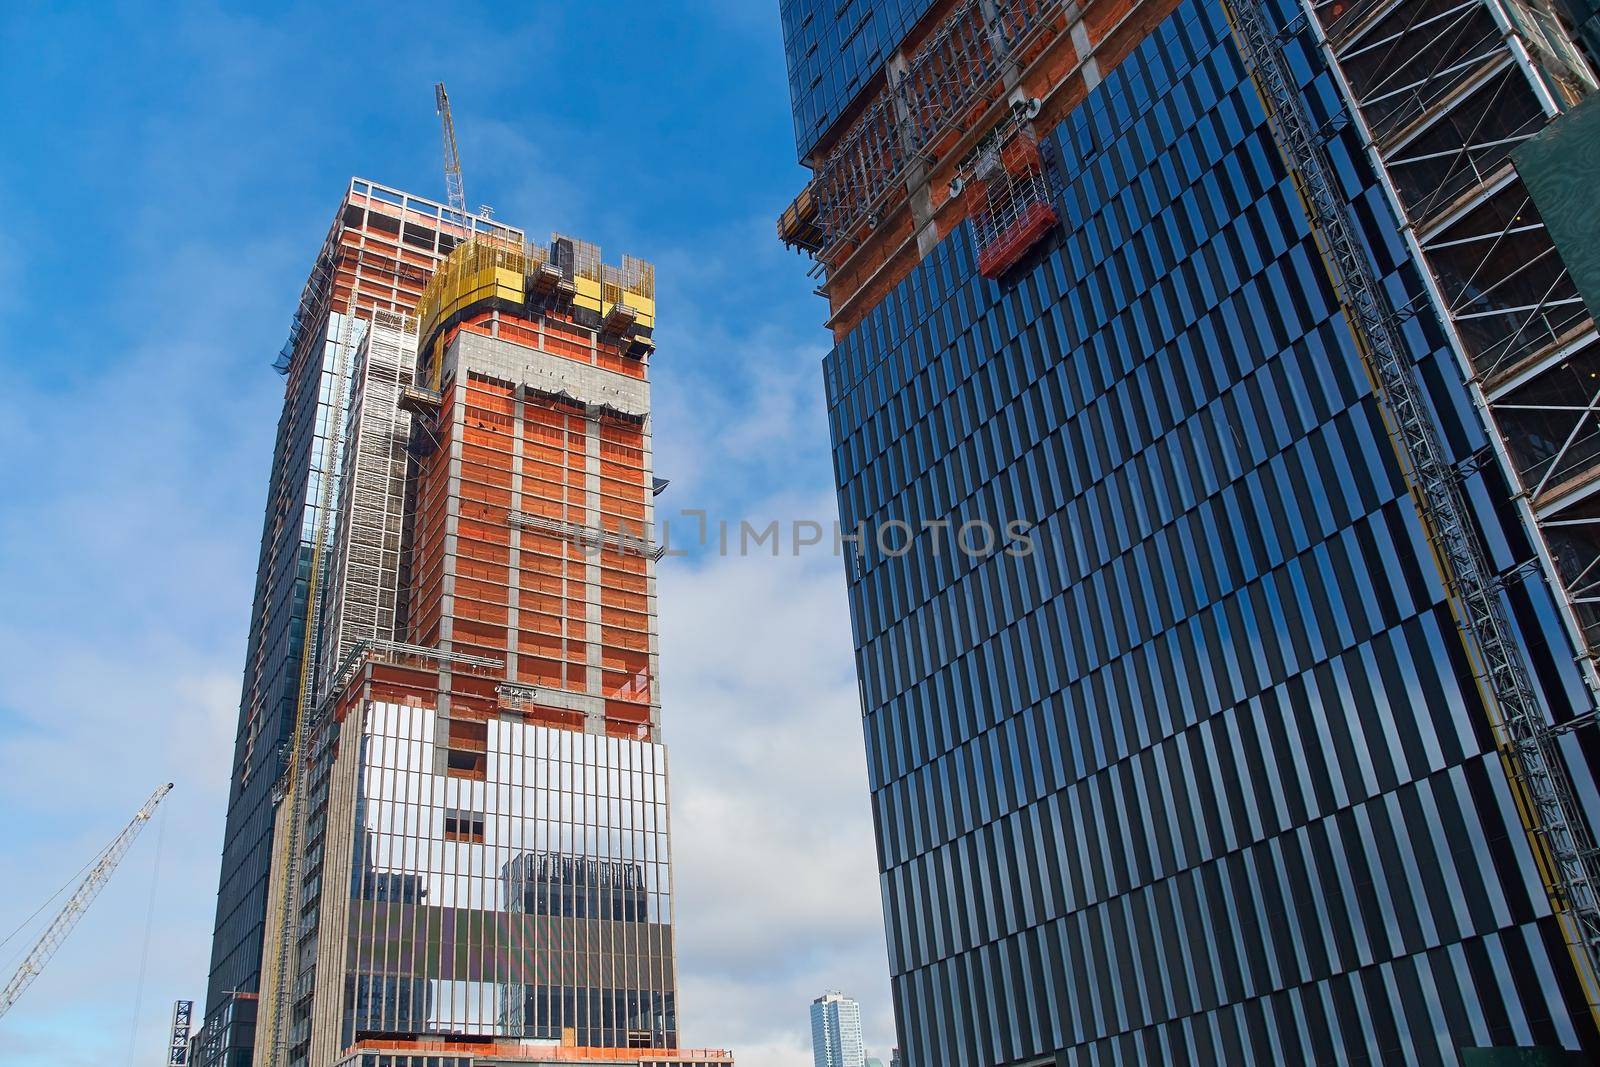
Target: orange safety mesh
x: 504, y: 464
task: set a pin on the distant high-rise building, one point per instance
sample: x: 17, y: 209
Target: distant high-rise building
x: 1253, y: 343
x: 836, y: 1032
x: 467, y: 856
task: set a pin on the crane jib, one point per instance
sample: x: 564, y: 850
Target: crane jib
x: 79, y: 902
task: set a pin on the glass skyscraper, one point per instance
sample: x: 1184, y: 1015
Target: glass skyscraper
x: 836, y: 1032
x: 834, y: 49
x: 1212, y: 767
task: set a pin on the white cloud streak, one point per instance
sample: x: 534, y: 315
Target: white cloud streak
x: 777, y: 890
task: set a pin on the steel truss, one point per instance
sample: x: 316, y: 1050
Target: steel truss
x: 1418, y: 72
x: 1446, y: 90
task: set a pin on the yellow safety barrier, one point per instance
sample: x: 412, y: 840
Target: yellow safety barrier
x: 479, y: 270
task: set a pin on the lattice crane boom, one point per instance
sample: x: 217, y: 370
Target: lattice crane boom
x: 78, y: 903
x: 452, y: 157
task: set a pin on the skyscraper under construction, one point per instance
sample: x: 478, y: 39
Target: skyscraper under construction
x: 1273, y: 322
x: 447, y: 839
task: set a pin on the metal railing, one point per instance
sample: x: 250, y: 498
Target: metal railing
x: 942, y: 84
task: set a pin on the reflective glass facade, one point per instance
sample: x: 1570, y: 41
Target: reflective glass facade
x: 267, y: 704
x: 378, y: 254
x: 836, y: 1032
x: 834, y: 49
x: 535, y: 903
x: 1205, y: 777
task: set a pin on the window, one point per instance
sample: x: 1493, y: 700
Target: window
x: 464, y: 764
x: 463, y: 825
x: 383, y: 223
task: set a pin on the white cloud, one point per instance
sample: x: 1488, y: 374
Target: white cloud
x: 126, y: 553
x: 776, y: 873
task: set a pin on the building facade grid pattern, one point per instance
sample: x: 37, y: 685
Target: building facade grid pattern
x: 834, y: 49
x: 836, y: 1032
x: 533, y: 904
x: 1205, y: 777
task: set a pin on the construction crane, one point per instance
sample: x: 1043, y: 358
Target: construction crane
x: 452, y: 158
x: 78, y: 903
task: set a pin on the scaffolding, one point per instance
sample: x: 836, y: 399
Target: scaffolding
x: 365, y: 576
x: 1008, y: 198
x: 291, y: 806
x: 615, y: 303
x: 920, y: 115
x: 621, y: 290
x: 1413, y: 71
x: 401, y: 654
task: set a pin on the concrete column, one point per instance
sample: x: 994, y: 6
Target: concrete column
x: 594, y: 720
x: 1085, y: 47
x: 652, y: 536
x: 514, y: 558
x: 1010, y: 72
x: 452, y: 531
x: 918, y: 193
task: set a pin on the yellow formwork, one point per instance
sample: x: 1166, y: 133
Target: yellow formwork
x: 475, y: 271
x: 478, y: 270
x: 644, y: 307
x: 589, y: 295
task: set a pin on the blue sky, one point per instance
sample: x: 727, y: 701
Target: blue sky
x: 168, y: 171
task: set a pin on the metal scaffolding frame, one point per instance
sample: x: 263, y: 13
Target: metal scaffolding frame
x: 919, y: 113
x: 291, y: 788
x: 1400, y: 94
x: 1445, y: 90
x: 365, y: 573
